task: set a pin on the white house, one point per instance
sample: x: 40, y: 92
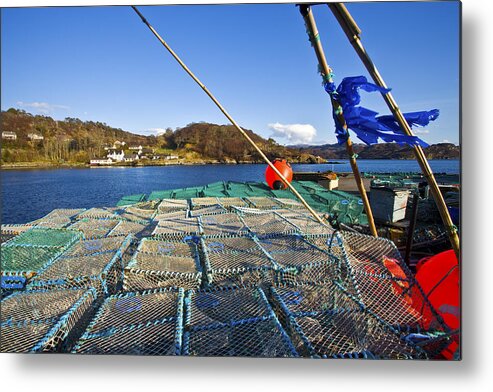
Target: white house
x: 35, y: 136
x: 7, y: 135
x: 101, y: 161
x: 117, y: 155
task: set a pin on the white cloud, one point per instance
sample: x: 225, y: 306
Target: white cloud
x: 445, y: 141
x: 294, y: 133
x: 41, y: 107
x: 418, y: 131
x: 156, y: 131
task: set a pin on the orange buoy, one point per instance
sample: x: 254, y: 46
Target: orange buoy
x: 439, y: 278
x: 273, y: 180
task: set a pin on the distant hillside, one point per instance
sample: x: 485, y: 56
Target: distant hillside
x: 382, y: 151
x: 76, y: 141
x: 223, y: 143
x: 70, y: 140
x: 73, y: 141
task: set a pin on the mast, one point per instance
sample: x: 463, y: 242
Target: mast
x: 326, y: 72
x: 353, y: 32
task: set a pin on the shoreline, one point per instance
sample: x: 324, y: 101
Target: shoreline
x: 47, y: 165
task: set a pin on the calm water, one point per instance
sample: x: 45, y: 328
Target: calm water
x: 31, y: 194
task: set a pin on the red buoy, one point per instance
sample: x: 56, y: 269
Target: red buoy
x: 439, y: 278
x: 273, y: 180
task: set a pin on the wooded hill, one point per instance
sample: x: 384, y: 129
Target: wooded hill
x: 75, y: 141
x: 382, y: 151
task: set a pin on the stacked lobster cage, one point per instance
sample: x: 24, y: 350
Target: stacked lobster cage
x: 213, y: 209
x: 263, y: 203
x: 146, y: 323
x: 58, y: 218
x: 163, y: 263
x: 233, y: 322
x: 324, y: 322
x: 44, y: 320
x: 236, y: 260
x: 106, y: 222
x: 172, y: 205
x: 27, y: 254
x: 373, y: 272
x: 176, y: 226
x: 212, y: 276
x: 92, y: 263
x: 7, y: 232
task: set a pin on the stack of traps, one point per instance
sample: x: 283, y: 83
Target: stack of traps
x: 44, y: 320
x: 96, y: 263
x: 324, y: 322
x: 221, y: 322
x: 146, y: 323
x: 28, y: 253
x: 233, y: 322
x: 163, y: 263
x: 196, y: 284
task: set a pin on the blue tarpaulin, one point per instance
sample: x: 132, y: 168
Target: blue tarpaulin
x: 365, y: 123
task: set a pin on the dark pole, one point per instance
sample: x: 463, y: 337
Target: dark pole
x: 412, y: 227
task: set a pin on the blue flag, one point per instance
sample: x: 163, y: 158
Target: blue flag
x: 368, y: 126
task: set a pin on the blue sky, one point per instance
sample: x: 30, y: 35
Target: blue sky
x: 103, y: 64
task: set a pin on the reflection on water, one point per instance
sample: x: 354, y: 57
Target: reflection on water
x: 31, y: 194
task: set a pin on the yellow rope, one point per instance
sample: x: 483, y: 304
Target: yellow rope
x: 244, y: 134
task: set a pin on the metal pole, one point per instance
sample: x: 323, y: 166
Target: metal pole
x: 336, y: 107
x: 221, y: 108
x: 352, y: 32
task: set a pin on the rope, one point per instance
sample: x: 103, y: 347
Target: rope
x: 223, y: 110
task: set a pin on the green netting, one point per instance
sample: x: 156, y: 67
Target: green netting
x: 138, y: 197
x: 131, y: 199
x: 157, y: 195
x: 186, y: 193
x: 214, y: 193
x: 216, y: 189
x: 34, y: 249
x: 45, y: 237
x: 341, y: 206
x: 26, y: 258
x: 442, y: 178
x: 283, y: 194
